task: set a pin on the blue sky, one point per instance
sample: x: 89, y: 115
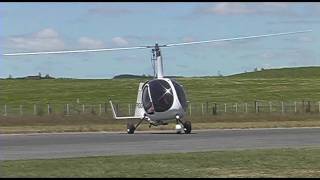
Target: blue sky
x: 66, y: 26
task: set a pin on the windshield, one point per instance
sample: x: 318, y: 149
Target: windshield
x: 161, y: 95
x: 180, y: 93
x: 146, y: 101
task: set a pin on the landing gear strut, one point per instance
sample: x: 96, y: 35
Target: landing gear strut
x: 185, y: 125
x: 131, y: 128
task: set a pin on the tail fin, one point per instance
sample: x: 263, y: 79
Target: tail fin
x: 139, y: 111
x: 119, y: 118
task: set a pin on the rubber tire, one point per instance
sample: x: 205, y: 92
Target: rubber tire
x: 130, y: 128
x: 187, y: 125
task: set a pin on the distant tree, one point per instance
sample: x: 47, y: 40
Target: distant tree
x: 219, y: 74
x: 255, y: 69
x: 262, y: 69
x: 10, y: 76
x: 39, y: 75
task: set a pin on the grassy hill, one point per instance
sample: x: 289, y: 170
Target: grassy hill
x: 275, y: 84
x: 299, y: 72
x: 130, y: 76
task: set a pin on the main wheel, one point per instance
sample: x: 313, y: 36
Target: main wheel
x: 187, y: 126
x: 130, y: 128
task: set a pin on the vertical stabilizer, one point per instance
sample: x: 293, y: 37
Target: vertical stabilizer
x: 139, y: 112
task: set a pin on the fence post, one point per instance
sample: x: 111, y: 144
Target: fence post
x: 207, y: 107
x: 295, y: 106
x: 319, y: 105
x: 246, y: 105
x: 202, y: 108
x: 48, y: 109
x: 100, y: 109
x: 20, y: 107
x: 225, y: 107
x: 190, y: 108
x: 282, y: 108
x: 236, y: 107
x: 214, y: 109
x: 5, y: 110
x: 83, y: 108
x: 129, y: 109
x: 67, y: 109
x: 270, y: 106
x: 35, y: 109
x: 256, y: 105
x: 117, y: 108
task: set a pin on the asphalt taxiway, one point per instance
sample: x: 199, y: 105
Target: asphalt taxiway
x: 63, y: 145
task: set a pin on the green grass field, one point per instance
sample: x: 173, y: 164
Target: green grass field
x: 276, y: 85
x: 286, y: 162
x: 294, y: 84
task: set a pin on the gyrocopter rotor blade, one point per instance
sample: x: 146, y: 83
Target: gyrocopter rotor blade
x: 155, y: 46
x: 236, y: 38
x: 75, y: 51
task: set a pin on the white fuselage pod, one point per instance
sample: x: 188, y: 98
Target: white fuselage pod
x: 167, y: 100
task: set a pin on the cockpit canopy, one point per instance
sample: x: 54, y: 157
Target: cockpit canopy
x: 161, y: 96
x: 181, y: 94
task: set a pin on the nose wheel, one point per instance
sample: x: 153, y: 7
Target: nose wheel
x: 186, y: 126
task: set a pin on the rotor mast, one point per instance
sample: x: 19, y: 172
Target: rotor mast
x: 159, y: 63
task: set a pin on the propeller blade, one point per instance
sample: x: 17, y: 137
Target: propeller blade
x: 236, y: 38
x: 75, y: 51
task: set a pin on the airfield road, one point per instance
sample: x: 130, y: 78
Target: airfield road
x: 60, y: 145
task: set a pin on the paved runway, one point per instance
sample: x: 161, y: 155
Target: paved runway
x: 45, y: 146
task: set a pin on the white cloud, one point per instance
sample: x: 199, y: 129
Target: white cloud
x: 276, y: 4
x: 119, y: 41
x: 268, y: 55
x: 241, y: 8
x: 47, y: 33
x: 228, y: 8
x: 49, y: 39
x: 46, y: 39
x: 188, y: 39
x: 109, y: 11
x: 306, y: 39
x: 86, y: 42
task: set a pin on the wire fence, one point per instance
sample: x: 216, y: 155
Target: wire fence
x: 194, y: 109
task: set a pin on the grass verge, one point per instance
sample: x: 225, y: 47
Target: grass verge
x: 89, y: 123
x: 287, y: 162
